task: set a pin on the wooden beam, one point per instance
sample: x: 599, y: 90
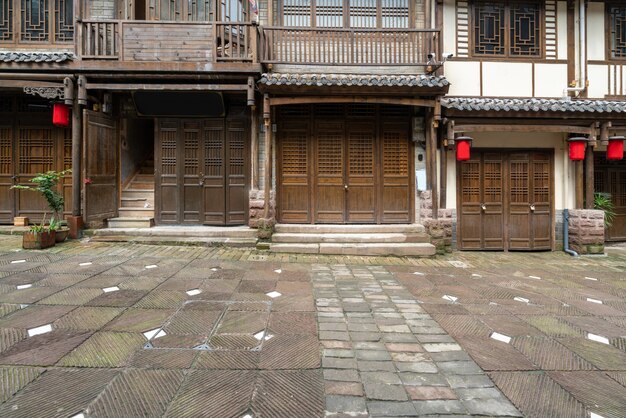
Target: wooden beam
x: 167, y: 87
x: 585, y: 130
x: 279, y: 101
x: 589, y: 179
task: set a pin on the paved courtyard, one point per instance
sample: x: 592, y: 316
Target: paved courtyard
x: 123, y: 330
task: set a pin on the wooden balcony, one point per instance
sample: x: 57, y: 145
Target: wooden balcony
x: 170, y: 46
x: 380, y: 50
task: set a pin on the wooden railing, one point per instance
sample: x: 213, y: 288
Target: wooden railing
x: 158, y: 41
x: 336, y: 46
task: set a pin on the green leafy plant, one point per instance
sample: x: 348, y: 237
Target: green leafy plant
x: 46, y: 184
x: 602, y: 201
x: 41, y: 227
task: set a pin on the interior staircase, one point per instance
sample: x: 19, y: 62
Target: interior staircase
x: 137, y: 210
x: 365, y: 240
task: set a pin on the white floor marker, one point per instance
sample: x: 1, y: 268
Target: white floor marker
x: 417, y: 273
x: 151, y: 266
x: 18, y: 261
x: 500, y: 337
x: 274, y: 294
x: 591, y: 278
x: 193, y: 292
x: 534, y: 277
x: 110, y: 289
x: 599, y: 302
x: 450, y: 298
x: 597, y: 338
x: 278, y: 271
x: 520, y: 299
x: 86, y: 263
x: 24, y: 286
x: 153, y: 333
x: 39, y: 330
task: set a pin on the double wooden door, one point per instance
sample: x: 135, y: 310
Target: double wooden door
x: 201, y: 171
x: 610, y: 178
x: 505, y: 201
x: 336, y: 166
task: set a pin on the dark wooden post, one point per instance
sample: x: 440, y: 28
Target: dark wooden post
x: 431, y: 154
x: 75, y: 222
x: 444, y: 170
x: 589, y: 172
x: 254, y: 144
x: 267, y: 117
x: 579, y: 184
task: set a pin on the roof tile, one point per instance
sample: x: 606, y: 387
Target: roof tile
x: 533, y: 105
x: 319, y: 80
x: 13, y: 56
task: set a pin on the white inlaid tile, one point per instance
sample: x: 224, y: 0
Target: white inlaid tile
x: 151, y: 266
x: 520, y: 299
x: 81, y: 415
x: 193, y: 292
x: 417, y: 273
x: 215, y: 268
x: 500, y: 337
x: 476, y: 275
x: 458, y: 264
x: 110, y: 289
x: 18, y: 261
x: 86, y: 263
x: 597, y: 338
x: 591, y: 278
x: 534, y: 277
x: 150, y: 334
x: 278, y: 271
x: 599, y: 302
x: 274, y: 294
x: 261, y: 335
x: 450, y: 298
x: 594, y: 415
x: 24, y: 286
x: 39, y: 330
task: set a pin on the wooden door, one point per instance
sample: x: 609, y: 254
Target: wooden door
x: 330, y: 185
x: 396, y: 173
x: 7, y: 176
x: 610, y: 178
x: 213, y: 194
x: 236, y: 170
x: 100, y: 168
x: 192, y: 145
x: 167, y: 190
x: 481, y: 206
x: 294, y: 166
x: 361, y: 173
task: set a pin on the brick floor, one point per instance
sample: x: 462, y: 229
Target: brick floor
x: 347, y: 334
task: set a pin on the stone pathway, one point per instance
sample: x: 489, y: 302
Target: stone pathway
x: 384, y: 356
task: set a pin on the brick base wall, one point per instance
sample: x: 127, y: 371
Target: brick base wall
x: 586, y: 231
x: 440, y: 230
x: 257, y: 207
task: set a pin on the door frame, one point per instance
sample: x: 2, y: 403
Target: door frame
x: 506, y: 152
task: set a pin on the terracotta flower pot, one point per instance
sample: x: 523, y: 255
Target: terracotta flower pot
x: 38, y: 240
x: 61, y: 234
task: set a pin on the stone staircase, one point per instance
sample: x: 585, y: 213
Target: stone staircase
x: 366, y: 240
x: 137, y: 210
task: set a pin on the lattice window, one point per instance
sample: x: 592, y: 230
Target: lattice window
x: 67, y: 149
x: 213, y: 152
x: 507, y: 29
x: 192, y: 157
x: 361, y: 153
x: 35, y: 25
x: 519, y: 182
x: 541, y: 182
x: 6, y: 151
x: 356, y: 14
x: 294, y: 150
x: 470, y: 181
x: 6, y: 21
x: 168, y: 151
x: 395, y: 154
x: 237, y: 144
x: 330, y: 153
x: 492, y: 181
x: 36, y: 150
x: 618, y: 194
x: 63, y: 20
x: 617, y: 30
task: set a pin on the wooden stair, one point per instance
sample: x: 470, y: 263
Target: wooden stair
x: 137, y: 202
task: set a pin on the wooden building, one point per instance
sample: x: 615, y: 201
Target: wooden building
x: 310, y: 112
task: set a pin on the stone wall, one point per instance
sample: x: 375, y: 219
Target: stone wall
x: 257, y: 205
x: 586, y: 231
x: 440, y: 229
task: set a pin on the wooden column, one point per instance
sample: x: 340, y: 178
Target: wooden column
x: 444, y: 174
x: 254, y: 145
x: 77, y: 154
x: 428, y: 120
x: 267, y: 117
x: 589, y: 180
x: 431, y: 152
x: 579, y: 184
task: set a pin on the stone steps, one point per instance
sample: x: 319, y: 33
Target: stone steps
x: 140, y: 212
x: 351, y: 229
x: 180, y: 232
x: 133, y: 222
x: 419, y: 249
x: 137, y: 202
x: 349, y: 238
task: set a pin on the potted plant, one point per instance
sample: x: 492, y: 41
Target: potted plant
x: 39, y: 237
x: 602, y: 201
x: 46, y: 184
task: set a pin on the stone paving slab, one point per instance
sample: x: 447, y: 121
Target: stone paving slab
x: 372, y: 336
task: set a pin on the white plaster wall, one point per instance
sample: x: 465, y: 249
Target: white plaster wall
x: 449, y: 26
x: 598, y: 77
x: 595, y: 32
x: 464, y: 78
x: 507, y: 79
x: 550, y: 80
x: 561, y: 30
x: 564, y: 181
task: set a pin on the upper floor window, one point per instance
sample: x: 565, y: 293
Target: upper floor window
x: 617, y: 31
x: 347, y: 13
x: 36, y: 21
x: 507, y: 29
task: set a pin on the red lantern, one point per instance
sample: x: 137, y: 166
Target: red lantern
x: 463, y: 144
x: 60, y: 115
x: 577, y: 148
x: 615, y: 149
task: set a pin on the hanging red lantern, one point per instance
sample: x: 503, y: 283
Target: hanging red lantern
x: 577, y: 148
x: 615, y: 149
x: 463, y: 145
x: 60, y: 115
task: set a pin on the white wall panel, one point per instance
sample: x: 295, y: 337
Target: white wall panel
x: 550, y: 80
x: 449, y: 26
x: 507, y: 79
x: 561, y: 27
x: 595, y: 32
x: 598, y: 76
x: 464, y: 78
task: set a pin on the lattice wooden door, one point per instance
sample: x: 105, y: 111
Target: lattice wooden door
x: 7, y: 199
x: 396, y: 173
x: 294, y: 166
x: 361, y: 173
x: 101, y: 158
x: 330, y: 185
x: 610, y: 177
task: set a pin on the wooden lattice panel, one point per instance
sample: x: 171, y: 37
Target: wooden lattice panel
x: 330, y: 154
x: 551, y: 29
x: 619, y: 189
x: 492, y: 181
x: 541, y: 181
x: 6, y: 151
x: 361, y: 111
x: 395, y: 154
x: 524, y: 29
x: 36, y: 150
x: 64, y: 20
x: 362, y: 13
x: 462, y: 29
x: 237, y: 151
x: 67, y: 149
x: 361, y: 153
x: 168, y: 151
x: 519, y: 182
x: 213, y: 151
x: 192, y: 152
x: 489, y: 28
x: 395, y: 14
x: 35, y: 21
x: 617, y: 30
x: 6, y: 21
x: 353, y: 13
x: 297, y: 13
x: 294, y: 154
x: 470, y: 181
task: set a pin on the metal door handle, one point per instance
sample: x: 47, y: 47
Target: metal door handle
x: 532, y: 208
x: 483, y: 206
x: 345, y: 186
x: 200, y: 179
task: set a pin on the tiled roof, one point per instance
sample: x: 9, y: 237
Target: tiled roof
x: 533, y: 105
x: 12, y: 56
x: 352, y: 80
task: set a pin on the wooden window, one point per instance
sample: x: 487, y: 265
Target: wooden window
x: 507, y: 29
x: 36, y: 21
x: 347, y: 13
x: 617, y: 31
